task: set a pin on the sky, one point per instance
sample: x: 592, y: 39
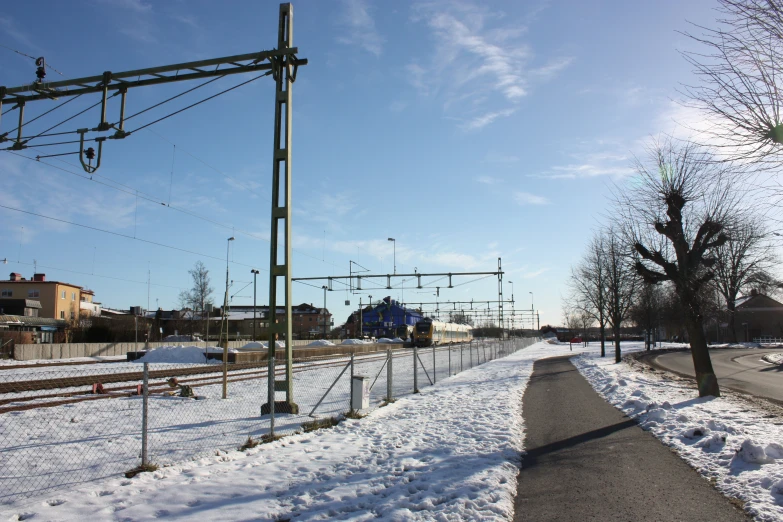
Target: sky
x: 466, y: 131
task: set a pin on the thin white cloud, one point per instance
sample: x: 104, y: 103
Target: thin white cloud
x: 553, y: 68
x: 138, y: 6
x: 526, y: 198
x: 189, y: 20
x: 360, y: 27
x: 482, y: 120
x: 536, y: 273
x: 489, y: 180
x: 588, y: 170
x: 9, y: 27
x: 480, y: 66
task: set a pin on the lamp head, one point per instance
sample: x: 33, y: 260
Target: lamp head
x: 231, y: 238
x: 391, y: 239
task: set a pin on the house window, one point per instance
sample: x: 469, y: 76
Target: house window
x: 73, y: 296
x: 62, y: 295
x: 62, y: 314
x: 7, y: 292
x: 33, y: 293
x: 73, y: 315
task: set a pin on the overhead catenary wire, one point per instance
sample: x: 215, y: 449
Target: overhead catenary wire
x: 200, y: 102
x: 96, y: 275
x: 131, y: 191
x: 69, y: 100
x: 126, y: 236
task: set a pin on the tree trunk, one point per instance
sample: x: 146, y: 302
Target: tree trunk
x: 617, y: 353
x: 603, y: 340
x: 732, y: 324
x: 702, y: 365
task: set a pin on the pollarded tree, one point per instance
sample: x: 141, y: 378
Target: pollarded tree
x: 675, y: 215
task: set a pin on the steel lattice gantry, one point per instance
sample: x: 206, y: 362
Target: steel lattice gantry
x: 282, y: 63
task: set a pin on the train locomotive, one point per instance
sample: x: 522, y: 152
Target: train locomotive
x: 428, y: 332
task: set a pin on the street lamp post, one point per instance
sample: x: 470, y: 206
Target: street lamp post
x: 255, y: 273
x: 394, y: 246
x: 532, y: 312
x: 225, y: 320
x: 323, y: 312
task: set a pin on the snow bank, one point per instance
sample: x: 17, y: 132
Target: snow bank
x: 773, y: 358
x: 257, y: 345
x: 727, y: 439
x: 386, y: 340
x: 354, y: 341
x: 321, y: 342
x: 179, y: 354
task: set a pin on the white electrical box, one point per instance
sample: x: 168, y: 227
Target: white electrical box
x: 360, y: 392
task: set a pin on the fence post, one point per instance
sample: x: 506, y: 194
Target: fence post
x: 350, y: 386
x: 415, y: 369
x: 144, y: 414
x: 470, y: 353
x: 434, y: 378
x: 389, y: 377
x: 461, y: 348
x: 449, y: 360
x: 270, y: 380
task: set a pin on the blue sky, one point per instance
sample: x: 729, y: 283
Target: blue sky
x: 468, y: 131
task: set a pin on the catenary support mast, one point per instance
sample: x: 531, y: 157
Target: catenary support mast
x: 283, y: 72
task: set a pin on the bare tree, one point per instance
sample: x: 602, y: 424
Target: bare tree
x: 646, y: 311
x: 200, y: 294
x: 742, y: 260
x: 740, y: 68
x: 588, y: 285
x: 621, y: 284
x: 675, y: 217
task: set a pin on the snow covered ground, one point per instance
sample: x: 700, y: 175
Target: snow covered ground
x: 449, y: 453
x: 732, y: 441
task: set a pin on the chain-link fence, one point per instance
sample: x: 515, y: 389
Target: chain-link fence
x: 64, y: 425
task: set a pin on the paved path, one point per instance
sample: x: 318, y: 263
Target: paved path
x: 738, y: 369
x: 586, y: 461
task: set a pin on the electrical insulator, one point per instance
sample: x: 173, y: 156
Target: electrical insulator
x: 40, y: 72
x: 90, y: 153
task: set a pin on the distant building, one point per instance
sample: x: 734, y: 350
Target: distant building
x: 58, y: 300
x: 382, y: 319
x: 758, y: 316
x: 308, y: 322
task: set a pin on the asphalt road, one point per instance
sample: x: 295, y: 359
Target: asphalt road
x: 586, y: 461
x: 738, y: 369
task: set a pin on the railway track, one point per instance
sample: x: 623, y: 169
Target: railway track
x: 237, y: 373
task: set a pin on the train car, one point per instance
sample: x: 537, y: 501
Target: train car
x: 404, y: 332
x: 428, y: 332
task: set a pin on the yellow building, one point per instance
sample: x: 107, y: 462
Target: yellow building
x: 58, y: 300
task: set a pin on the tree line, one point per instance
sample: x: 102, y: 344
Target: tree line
x: 690, y: 231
